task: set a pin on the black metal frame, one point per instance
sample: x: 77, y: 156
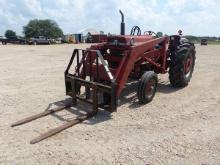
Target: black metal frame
x: 73, y: 81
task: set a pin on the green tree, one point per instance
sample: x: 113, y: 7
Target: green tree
x: 10, y: 34
x: 159, y: 34
x: 192, y: 38
x: 47, y: 28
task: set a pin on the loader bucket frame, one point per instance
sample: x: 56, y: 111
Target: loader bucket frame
x: 76, y: 80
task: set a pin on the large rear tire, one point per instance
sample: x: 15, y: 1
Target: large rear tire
x: 147, y: 87
x: 182, y: 65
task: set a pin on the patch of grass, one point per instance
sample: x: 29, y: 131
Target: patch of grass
x: 214, y: 42
x: 209, y: 42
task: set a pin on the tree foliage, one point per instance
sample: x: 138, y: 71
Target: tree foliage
x: 192, y: 38
x: 159, y: 34
x: 10, y: 34
x: 47, y: 28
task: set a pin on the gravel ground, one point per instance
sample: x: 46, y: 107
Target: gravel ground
x: 180, y: 126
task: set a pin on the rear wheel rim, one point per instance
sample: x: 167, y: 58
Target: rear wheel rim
x: 188, y: 65
x: 150, y: 88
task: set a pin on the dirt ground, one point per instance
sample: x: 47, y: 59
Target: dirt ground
x: 180, y: 126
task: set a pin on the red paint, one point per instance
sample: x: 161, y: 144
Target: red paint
x: 125, y: 54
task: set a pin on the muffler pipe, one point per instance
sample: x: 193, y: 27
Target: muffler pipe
x: 122, y: 23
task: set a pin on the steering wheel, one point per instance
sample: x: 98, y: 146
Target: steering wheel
x: 136, y: 30
x: 150, y: 33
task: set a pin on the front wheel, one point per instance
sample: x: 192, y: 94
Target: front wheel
x: 147, y: 87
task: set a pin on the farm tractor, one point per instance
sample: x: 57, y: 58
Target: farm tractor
x: 98, y: 74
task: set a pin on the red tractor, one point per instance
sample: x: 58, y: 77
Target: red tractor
x: 103, y: 70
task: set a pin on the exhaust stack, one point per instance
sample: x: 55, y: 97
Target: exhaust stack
x: 122, y: 23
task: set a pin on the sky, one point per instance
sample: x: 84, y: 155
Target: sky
x: 193, y: 17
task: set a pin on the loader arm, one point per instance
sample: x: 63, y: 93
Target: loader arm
x: 129, y: 60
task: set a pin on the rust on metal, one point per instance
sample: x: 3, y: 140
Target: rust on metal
x: 39, y: 115
x: 63, y: 127
x: 58, y: 129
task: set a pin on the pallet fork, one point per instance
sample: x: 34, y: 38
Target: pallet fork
x: 58, y: 129
x: 72, y: 83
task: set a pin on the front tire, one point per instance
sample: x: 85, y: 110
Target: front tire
x: 147, y: 87
x: 182, y: 65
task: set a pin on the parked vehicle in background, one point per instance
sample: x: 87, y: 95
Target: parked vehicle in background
x: 204, y: 41
x: 2, y: 39
x: 59, y: 41
x: 52, y: 41
x: 15, y: 40
x: 96, y: 38
x: 39, y: 40
x: 88, y: 38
